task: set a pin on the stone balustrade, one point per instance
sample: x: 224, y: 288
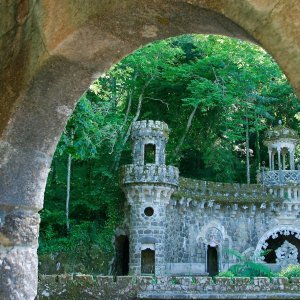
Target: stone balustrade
x: 149, y: 173
x: 279, y: 177
x: 194, y: 287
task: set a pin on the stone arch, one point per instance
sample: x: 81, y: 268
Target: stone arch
x: 273, y: 233
x: 217, y: 230
x: 44, y: 44
x: 214, y: 235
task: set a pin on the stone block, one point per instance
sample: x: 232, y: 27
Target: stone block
x: 262, y: 283
x: 294, y: 284
x: 241, y: 284
x: 124, y: 280
x: 101, y: 280
x: 279, y: 283
x: 83, y: 279
x: 63, y: 278
x: 222, y: 284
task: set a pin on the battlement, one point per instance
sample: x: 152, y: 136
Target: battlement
x: 149, y: 173
x: 149, y: 129
x: 200, y: 190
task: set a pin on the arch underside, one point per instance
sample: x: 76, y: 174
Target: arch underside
x: 50, y: 53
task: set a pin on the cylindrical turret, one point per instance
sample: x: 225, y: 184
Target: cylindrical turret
x: 148, y: 184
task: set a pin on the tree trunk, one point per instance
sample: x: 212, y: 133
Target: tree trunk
x: 247, y: 151
x: 68, y: 191
x: 187, y: 128
x: 258, y: 158
x: 114, y: 92
x: 127, y: 135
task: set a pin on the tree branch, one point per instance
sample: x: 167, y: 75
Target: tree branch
x: 188, y: 125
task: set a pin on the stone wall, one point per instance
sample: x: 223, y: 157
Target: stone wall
x: 85, y: 287
x: 231, y: 216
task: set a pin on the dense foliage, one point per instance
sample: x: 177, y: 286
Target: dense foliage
x: 246, y: 267
x: 290, y: 271
x: 218, y: 96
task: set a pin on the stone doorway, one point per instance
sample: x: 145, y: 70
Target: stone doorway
x: 212, y: 261
x: 148, y: 261
x: 122, y: 255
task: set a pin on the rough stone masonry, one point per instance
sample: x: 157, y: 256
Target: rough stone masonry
x: 43, y: 72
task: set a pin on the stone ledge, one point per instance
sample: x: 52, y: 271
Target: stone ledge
x: 149, y: 173
x: 166, y: 287
x: 230, y: 296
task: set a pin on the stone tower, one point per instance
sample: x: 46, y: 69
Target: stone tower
x: 148, y: 184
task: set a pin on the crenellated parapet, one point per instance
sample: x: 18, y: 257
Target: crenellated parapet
x: 150, y: 174
x: 149, y: 140
x: 150, y: 129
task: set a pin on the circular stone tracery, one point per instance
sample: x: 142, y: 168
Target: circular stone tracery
x: 274, y: 233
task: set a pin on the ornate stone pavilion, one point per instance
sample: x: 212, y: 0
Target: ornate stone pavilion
x: 180, y: 226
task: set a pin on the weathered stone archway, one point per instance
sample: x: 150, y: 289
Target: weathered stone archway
x: 49, y: 53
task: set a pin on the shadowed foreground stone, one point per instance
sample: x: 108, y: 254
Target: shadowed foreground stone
x: 18, y: 271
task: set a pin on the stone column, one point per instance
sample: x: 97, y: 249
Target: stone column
x: 279, y: 160
x: 295, y: 193
x: 270, y: 159
x: 283, y: 161
x: 292, y: 160
x: 206, y: 259
x: 18, y: 253
x: 273, y: 161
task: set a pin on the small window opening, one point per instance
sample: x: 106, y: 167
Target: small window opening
x: 212, y: 261
x: 149, y: 211
x: 148, y: 262
x: 122, y: 255
x: 149, y: 154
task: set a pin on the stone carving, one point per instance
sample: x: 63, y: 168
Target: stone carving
x: 286, y: 254
x: 285, y: 230
x: 213, y: 237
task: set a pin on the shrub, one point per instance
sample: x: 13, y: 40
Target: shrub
x: 250, y: 269
x: 226, y: 274
x: 247, y: 267
x: 290, y: 271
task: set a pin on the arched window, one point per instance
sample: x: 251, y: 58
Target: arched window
x: 148, y: 259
